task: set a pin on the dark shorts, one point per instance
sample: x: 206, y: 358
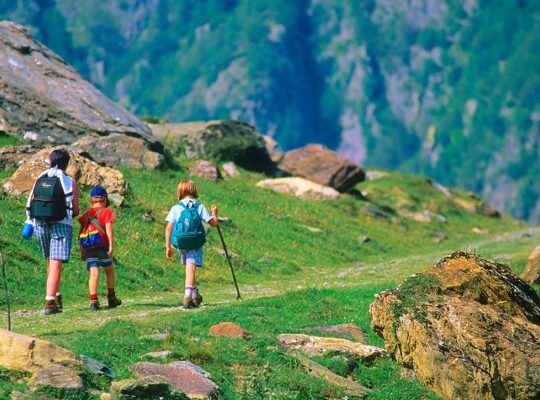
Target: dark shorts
x: 54, y: 240
x: 98, y: 257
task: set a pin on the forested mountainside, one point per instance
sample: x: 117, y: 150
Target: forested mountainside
x: 447, y: 88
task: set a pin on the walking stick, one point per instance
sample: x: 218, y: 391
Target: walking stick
x: 2, y: 260
x: 230, y: 264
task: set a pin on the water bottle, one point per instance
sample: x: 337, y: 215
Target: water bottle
x: 27, y: 230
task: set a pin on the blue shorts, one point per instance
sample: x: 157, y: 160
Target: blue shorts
x: 98, y: 257
x: 191, y: 256
x: 54, y: 239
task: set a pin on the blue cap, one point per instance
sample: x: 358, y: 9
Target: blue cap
x: 99, y: 191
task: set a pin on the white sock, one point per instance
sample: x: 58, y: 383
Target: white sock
x: 194, y: 291
x: 188, y: 291
x: 50, y: 297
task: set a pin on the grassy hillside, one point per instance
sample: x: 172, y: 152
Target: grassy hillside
x: 299, y: 264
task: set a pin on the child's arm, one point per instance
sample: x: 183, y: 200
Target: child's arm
x: 110, y: 236
x: 168, y: 248
x: 214, y: 221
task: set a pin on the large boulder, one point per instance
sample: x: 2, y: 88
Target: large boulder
x: 299, y: 187
x: 234, y: 141
x: 45, y: 101
x: 469, y: 328
x: 26, y: 353
x: 319, y: 164
x: 120, y: 150
x: 86, y: 172
x: 531, y: 273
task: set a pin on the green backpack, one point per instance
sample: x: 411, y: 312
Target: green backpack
x: 48, y: 200
x: 188, y: 231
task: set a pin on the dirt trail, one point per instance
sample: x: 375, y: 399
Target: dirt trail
x: 79, y: 318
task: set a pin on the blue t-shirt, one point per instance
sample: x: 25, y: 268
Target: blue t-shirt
x: 176, y: 210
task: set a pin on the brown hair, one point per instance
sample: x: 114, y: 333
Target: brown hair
x: 186, y: 188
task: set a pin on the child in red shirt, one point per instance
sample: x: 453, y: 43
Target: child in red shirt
x: 102, y: 255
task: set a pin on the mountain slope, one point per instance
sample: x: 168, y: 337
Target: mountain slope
x: 446, y: 88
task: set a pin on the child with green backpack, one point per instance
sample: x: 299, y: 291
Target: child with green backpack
x: 185, y: 232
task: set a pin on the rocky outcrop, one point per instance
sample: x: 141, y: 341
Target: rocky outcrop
x: 300, y: 187
x: 45, y: 101
x: 234, y: 141
x: 86, y: 172
x: 14, y: 156
x: 206, y: 170
x: 531, y: 274
x: 183, y: 376
x: 315, y: 345
x: 26, y: 353
x: 120, y: 150
x: 319, y: 164
x: 473, y: 315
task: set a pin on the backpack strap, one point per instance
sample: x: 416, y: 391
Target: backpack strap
x: 95, y: 221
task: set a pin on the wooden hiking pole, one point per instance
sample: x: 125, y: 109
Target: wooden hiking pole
x: 2, y: 260
x: 238, y: 297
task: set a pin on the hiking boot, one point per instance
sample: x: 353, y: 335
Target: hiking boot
x: 113, y: 301
x: 59, y: 302
x: 187, y: 303
x: 94, y: 305
x: 196, y: 299
x: 51, y: 307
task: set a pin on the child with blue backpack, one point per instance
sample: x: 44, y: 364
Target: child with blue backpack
x: 185, y: 232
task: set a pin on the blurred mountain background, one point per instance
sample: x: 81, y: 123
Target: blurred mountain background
x: 449, y: 88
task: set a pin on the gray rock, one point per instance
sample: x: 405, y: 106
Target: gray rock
x: 96, y: 367
x: 300, y: 187
x: 230, y: 169
x: 321, y: 165
x: 14, y: 156
x: 234, y: 141
x: 206, y: 170
x: 183, y: 376
x: 147, y: 387
x: 120, y: 150
x: 531, y: 273
x: 57, y: 376
x: 347, y: 331
x: 48, y: 102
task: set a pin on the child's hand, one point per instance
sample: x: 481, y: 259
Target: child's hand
x: 110, y: 252
x: 169, y: 253
x: 214, y: 210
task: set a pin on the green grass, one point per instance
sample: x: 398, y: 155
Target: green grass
x: 291, y: 276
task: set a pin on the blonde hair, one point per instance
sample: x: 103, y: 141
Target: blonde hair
x: 186, y: 188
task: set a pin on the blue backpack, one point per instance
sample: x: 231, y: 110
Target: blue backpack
x: 188, y: 231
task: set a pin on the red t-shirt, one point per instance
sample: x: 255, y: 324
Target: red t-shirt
x: 105, y: 216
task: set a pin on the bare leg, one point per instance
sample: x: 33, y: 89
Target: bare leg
x: 109, y: 273
x: 190, y: 274
x: 53, y: 277
x: 93, y: 280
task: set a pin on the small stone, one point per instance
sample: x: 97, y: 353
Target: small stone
x: 363, y: 239
x: 158, y: 354
x: 156, y: 336
x: 479, y: 231
x: 230, y: 169
x: 183, y: 377
x: 229, y: 329
x: 96, y: 367
x: 206, y: 170
x: 57, y: 376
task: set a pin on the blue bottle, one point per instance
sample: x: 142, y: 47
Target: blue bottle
x: 27, y: 230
